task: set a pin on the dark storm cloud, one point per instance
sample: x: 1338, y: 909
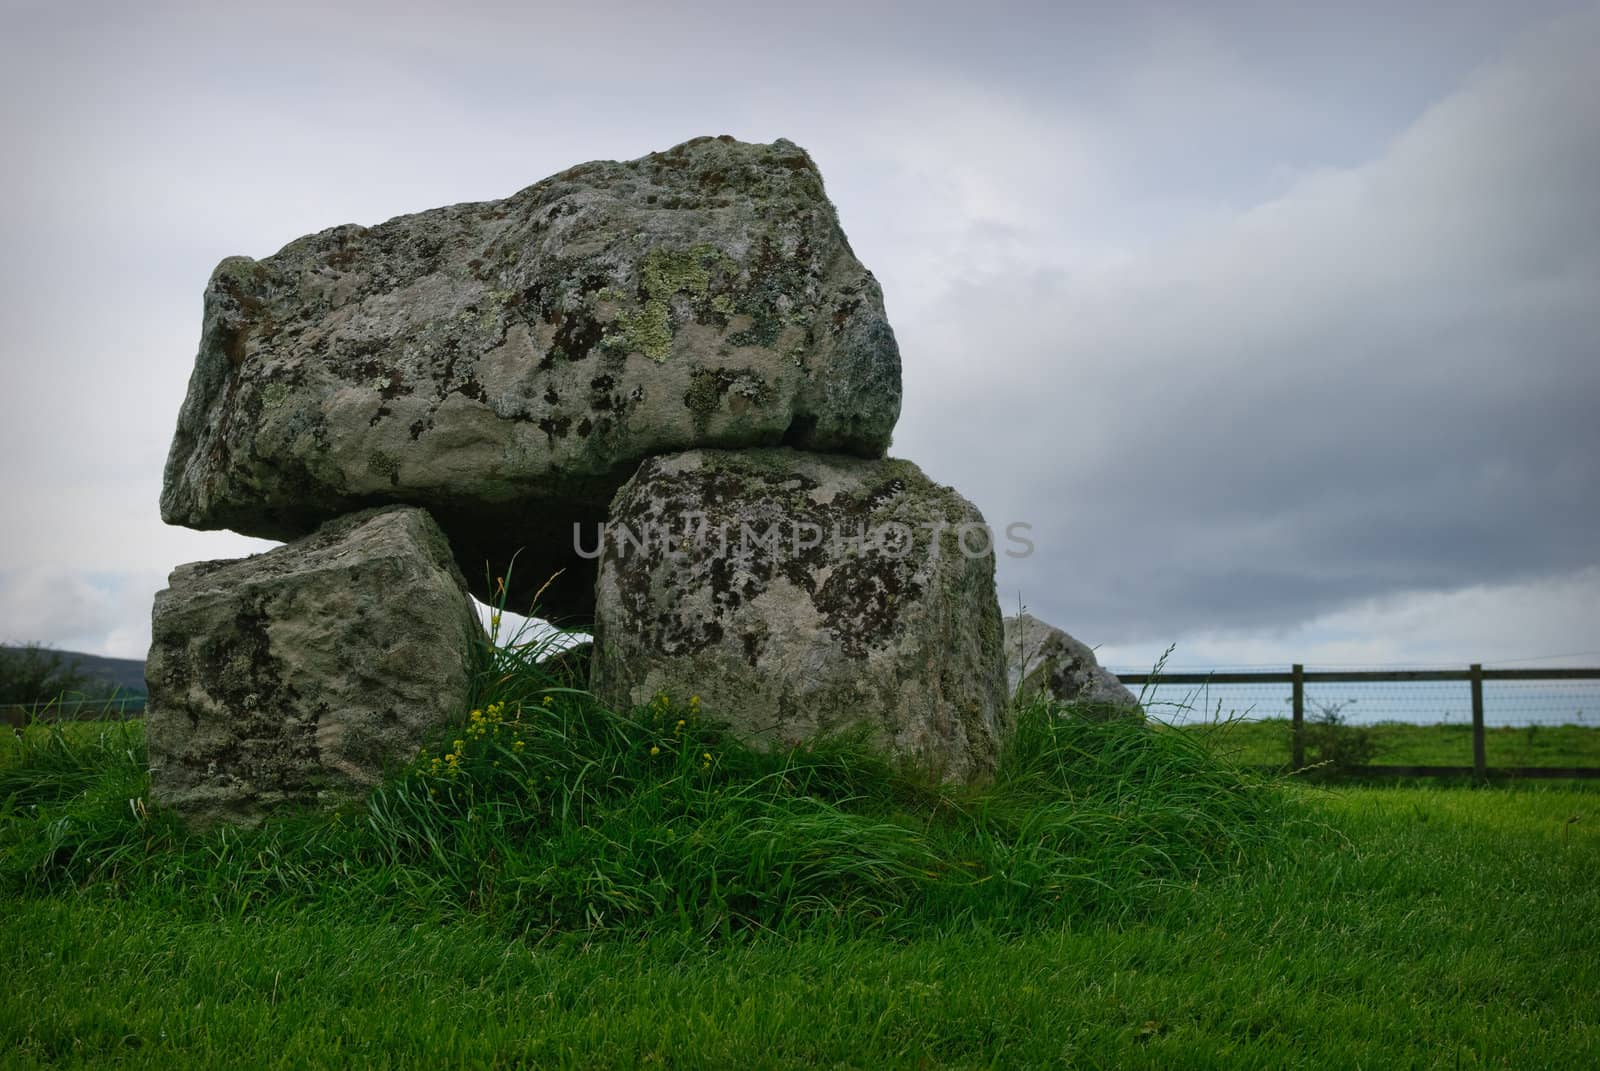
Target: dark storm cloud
x: 1385, y: 381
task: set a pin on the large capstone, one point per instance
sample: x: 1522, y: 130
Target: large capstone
x: 507, y: 364
x: 799, y: 595
x: 1043, y: 660
x: 296, y: 677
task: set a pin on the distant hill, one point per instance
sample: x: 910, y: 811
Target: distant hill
x: 124, y: 674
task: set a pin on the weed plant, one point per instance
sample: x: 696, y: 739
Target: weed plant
x: 1333, y: 745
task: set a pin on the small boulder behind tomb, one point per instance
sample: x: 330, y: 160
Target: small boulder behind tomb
x: 1041, y: 658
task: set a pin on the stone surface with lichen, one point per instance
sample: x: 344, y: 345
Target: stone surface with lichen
x: 807, y: 631
x: 1044, y: 660
x: 297, y: 677
x: 507, y: 364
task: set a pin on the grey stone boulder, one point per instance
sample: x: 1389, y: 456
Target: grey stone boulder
x: 507, y: 364
x: 1043, y: 658
x: 294, y: 678
x: 799, y: 594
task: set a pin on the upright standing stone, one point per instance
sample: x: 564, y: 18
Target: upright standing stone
x: 295, y: 677
x: 737, y: 577
x: 508, y: 364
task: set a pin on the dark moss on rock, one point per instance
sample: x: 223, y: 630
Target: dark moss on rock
x: 798, y: 594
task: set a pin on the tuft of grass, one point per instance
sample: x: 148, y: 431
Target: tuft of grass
x: 546, y: 813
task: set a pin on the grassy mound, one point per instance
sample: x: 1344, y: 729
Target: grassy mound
x: 545, y: 813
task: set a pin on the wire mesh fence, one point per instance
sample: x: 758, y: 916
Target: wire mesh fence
x: 1436, y: 720
x: 1517, y: 703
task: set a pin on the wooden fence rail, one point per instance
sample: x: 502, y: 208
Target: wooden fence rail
x: 1297, y: 678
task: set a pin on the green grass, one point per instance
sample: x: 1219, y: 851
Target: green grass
x: 1267, y: 742
x: 567, y: 817
x: 1117, y: 897
x: 1416, y: 927
x: 14, y: 746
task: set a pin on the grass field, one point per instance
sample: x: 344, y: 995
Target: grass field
x: 1118, y: 898
x: 1267, y: 742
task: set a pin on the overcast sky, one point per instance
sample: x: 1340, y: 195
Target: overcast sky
x: 1281, y: 328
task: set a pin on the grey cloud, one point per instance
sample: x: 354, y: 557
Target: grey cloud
x: 1220, y: 413
x: 1383, y: 382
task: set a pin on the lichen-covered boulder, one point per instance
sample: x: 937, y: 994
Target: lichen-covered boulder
x: 295, y: 677
x: 507, y: 364
x: 799, y: 594
x: 1041, y: 658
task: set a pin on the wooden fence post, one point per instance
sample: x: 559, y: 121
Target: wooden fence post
x: 1299, y: 759
x: 1480, y: 765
